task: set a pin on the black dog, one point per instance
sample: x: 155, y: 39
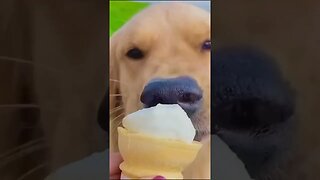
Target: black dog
x: 253, y: 108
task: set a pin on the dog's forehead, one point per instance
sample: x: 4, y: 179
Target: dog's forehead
x: 172, y: 13
x: 165, y: 17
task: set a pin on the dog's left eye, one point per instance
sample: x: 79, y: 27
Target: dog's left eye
x: 135, y: 53
x: 206, y: 45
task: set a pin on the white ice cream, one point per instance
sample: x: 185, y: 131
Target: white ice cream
x: 163, y: 121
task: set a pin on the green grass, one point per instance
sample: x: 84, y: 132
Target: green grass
x: 121, y: 12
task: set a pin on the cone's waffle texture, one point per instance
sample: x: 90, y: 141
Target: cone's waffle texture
x: 146, y: 155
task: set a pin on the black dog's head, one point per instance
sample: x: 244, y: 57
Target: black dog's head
x: 253, y: 108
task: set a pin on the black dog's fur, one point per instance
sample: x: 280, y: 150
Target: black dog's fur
x: 253, y: 108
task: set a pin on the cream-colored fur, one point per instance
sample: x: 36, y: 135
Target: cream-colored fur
x: 171, y: 36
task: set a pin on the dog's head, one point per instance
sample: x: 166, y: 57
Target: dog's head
x: 162, y: 55
x: 253, y: 109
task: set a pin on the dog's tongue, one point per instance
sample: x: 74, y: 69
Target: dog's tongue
x: 162, y: 121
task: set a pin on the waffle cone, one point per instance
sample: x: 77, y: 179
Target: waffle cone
x: 145, y: 155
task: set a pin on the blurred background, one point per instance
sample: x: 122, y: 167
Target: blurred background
x: 53, y: 74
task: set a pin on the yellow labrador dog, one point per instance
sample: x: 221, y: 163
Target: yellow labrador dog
x: 166, y: 46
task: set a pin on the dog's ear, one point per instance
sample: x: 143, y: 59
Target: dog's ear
x: 110, y: 97
x: 102, y: 113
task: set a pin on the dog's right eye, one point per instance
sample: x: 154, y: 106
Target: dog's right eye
x: 135, y: 53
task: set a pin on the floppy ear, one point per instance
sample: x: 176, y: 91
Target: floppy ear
x: 110, y: 96
x: 102, y: 114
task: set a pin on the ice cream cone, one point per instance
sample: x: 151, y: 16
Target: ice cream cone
x: 146, y: 155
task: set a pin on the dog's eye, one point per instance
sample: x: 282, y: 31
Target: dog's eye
x: 135, y: 53
x: 206, y: 45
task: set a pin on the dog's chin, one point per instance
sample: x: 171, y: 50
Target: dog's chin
x: 200, y: 135
x: 200, y: 122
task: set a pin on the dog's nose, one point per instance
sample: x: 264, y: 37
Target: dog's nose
x: 182, y: 90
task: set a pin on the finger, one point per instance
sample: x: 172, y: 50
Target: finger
x: 115, y: 176
x: 115, y: 160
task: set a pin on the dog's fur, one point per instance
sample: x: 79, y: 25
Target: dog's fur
x: 171, y: 36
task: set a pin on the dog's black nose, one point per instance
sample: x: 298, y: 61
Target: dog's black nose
x: 182, y: 90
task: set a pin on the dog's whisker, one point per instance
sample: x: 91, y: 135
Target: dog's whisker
x: 116, y: 109
x: 35, y: 106
x: 115, y: 80
x: 116, y: 95
x: 119, y: 123
x: 18, y: 148
x: 31, y: 171
x: 13, y: 59
x: 121, y: 105
x: 119, y: 110
x: 11, y: 157
x: 118, y: 81
x: 23, y: 61
x: 115, y: 126
x: 117, y: 117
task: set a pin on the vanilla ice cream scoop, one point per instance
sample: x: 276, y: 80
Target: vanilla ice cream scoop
x: 168, y: 121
